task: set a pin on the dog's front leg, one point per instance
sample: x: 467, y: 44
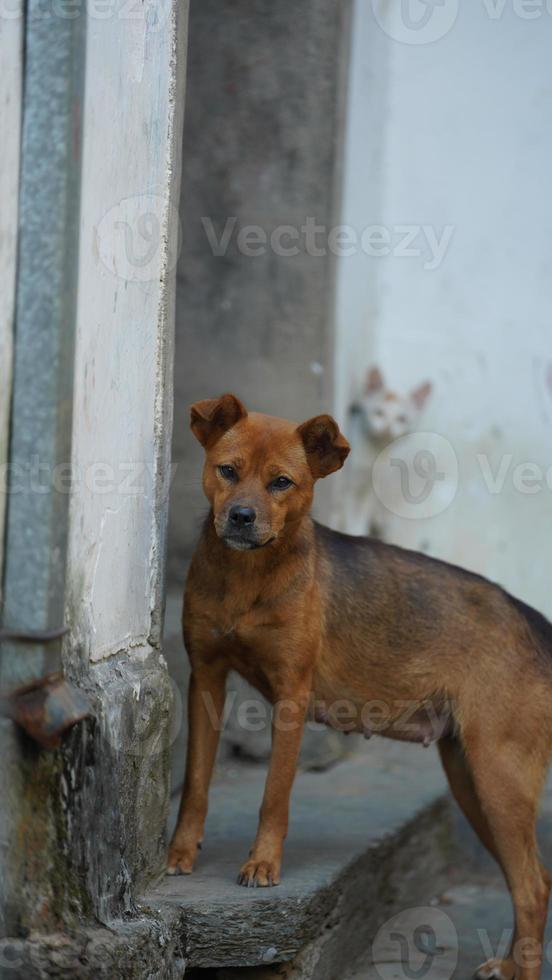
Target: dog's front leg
x: 265, y: 858
x: 206, y: 695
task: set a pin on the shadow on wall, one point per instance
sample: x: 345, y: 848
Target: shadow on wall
x: 260, y: 168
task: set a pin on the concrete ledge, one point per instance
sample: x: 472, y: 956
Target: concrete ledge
x: 366, y: 839
x: 133, y: 950
x: 363, y: 837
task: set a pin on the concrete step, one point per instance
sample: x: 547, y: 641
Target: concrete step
x: 471, y: 921
x: 366, y: 839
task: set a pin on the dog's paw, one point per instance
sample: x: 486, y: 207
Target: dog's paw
x: 181, y: 860
x: 259, y: 874
x: 496, y: 970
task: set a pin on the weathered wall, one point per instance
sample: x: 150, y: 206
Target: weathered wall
x: 11, y: 56
x: 34, y: 561
x: 117, y: 772
x: 84, y: 826
x: 123, y: 368
x: 466, y: 145
x: 362, y: 206
x: 262, y: 134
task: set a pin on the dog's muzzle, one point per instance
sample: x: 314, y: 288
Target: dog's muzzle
x: 241, y: 531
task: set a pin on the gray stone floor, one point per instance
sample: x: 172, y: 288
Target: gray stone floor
x: 470, y: 919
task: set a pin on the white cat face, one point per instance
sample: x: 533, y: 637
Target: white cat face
x: 387, y: 415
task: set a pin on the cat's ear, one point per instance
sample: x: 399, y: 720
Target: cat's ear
x: 374, y: 381
x: 421, y: 394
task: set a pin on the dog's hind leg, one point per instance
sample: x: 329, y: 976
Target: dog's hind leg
x: 462, y: 788
x: 507, y: 779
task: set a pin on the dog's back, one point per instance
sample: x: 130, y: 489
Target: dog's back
x: 437, y: 628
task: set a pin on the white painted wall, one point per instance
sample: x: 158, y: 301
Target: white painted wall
x: 123, y: 396
x: 362, y: 204
x: 11, y: 58
x: 466, y: 143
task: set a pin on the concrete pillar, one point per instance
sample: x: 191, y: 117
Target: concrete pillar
x: 265, y: 107
x: 84, y: 826
x: 40, y: 431
x: 134, y: 103
x: 11, y: 55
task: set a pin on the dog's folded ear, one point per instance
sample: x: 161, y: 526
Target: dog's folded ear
x: 326, y: 447
x: 210, y: 419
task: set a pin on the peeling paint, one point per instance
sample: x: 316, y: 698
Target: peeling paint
x: 123, y: 392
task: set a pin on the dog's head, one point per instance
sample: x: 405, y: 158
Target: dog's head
x: 260, y: 471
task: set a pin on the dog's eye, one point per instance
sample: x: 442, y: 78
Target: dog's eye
x: 281, y: 483
x: 228, y: 472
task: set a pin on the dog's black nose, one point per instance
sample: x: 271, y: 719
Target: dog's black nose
x: 242, y: 516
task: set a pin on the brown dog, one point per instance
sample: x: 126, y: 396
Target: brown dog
x: 303, y: 612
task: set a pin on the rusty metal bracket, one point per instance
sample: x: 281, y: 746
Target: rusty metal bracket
x: 46, y: 709
x: 49, y: 706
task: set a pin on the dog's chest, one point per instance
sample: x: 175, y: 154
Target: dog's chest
x: 243, y: 631
x: 240, y: 642
x: 234, y: 629
x: 240, y: 621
